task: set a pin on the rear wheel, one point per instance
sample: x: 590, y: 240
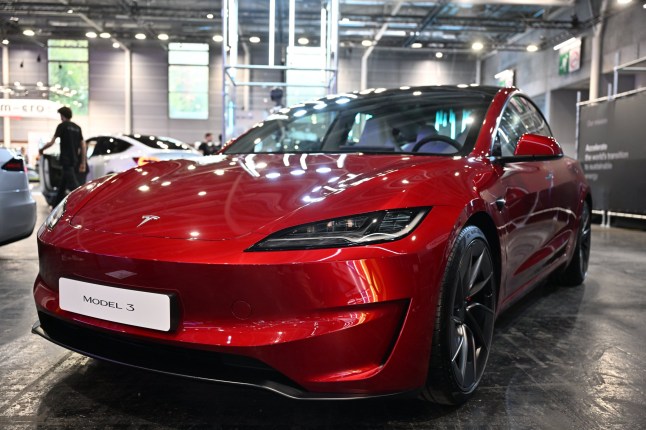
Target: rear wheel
x: 575, y: 272
x: 464, y: 322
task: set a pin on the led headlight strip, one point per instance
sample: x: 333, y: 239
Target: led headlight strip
x: 362, y: 229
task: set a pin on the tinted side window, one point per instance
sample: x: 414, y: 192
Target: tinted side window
x: 532, y: 118
x: 519, y: 117
x: 118, y: 145
x: 91, y: 147
x: 101, y: 147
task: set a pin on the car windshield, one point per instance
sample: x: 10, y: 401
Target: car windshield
x: 437, y: 123
x: 161, y: 142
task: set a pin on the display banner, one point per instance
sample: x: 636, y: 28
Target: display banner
x: 30, y: 108
x: 612, y: 150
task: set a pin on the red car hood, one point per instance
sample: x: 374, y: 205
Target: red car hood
x: 225, y: 197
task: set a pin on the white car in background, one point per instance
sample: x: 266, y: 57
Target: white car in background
x: 17, y: 207
x: 113, y: 154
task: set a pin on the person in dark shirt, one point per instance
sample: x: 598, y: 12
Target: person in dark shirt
x: 72, y: 154
x: 207, y: 147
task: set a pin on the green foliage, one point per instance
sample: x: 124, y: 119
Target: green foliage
x: 188, y: 89
x: 69, y: 74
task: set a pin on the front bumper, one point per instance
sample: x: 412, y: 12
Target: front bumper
x: 178, y: 361
x: 333, y: 324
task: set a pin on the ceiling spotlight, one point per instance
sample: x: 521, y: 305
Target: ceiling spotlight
x: 366, y: 43
x: 532, y: 48
x: 439, y: 55
x: 477, y: 46
x: 105, y: 35
x: 29, y: 32
x: 254, y: 39
x: 303, y: 41
x: 116, y: 45
x: 209, y: 16
x: 90, y: 35
x: 416, y: 45
x: 140, y: 36
x: 5, y: 41
x: 162, y: 36
x: 218, y: 38
x: 70, y: 10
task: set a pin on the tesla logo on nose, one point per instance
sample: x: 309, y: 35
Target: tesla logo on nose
x: 146, y: 218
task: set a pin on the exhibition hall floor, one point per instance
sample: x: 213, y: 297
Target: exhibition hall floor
x: 563, y: 358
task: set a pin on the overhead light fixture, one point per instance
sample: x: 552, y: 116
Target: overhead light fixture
x: 416, y: 45
x: 116, y: 45
x: 140, y: 36
x: 303, y: 41
x: 70, y: 10
x: 5, y: 41
x: 105, y: 35
x: 209, y: 16
x: 477, y: 46
x: 439, y: 55
x: 162, y: 36
x: 29, y: 32
x: 532, y: 48
x: 90, y: 35
x: 254, y: 39
x: 366, y: 43
x: 218, y: 38
x: 568, y: 43
x: 624, y: 1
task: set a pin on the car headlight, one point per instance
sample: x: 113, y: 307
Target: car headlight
x: 56, y: 214
x: 363, y: 229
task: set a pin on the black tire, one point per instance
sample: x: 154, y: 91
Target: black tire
x: 574, y: 273
x: 464, y: 322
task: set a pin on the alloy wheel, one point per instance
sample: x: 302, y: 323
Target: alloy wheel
x: 473, y: 316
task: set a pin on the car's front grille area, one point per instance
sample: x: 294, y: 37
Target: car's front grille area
x: 187, y: 362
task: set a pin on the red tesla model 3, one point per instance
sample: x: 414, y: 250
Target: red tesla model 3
x: 359, y: 245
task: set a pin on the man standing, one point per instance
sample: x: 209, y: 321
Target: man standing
x: 72, y: 154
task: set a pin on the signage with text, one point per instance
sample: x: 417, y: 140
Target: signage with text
x: 29, y: 108
x: 612, y: 151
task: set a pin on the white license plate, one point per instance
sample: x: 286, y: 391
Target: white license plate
x: 136, y: 308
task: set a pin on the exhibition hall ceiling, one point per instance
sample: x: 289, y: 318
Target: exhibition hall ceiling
x: 447, y: 26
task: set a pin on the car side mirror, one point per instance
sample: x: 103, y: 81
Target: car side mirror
x: 534, y: 147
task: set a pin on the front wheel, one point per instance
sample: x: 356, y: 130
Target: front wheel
x: 464, y: 323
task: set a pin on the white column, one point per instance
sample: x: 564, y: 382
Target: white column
x: 595, y: 64
x: 127, y: 86
x: 6, y: 121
